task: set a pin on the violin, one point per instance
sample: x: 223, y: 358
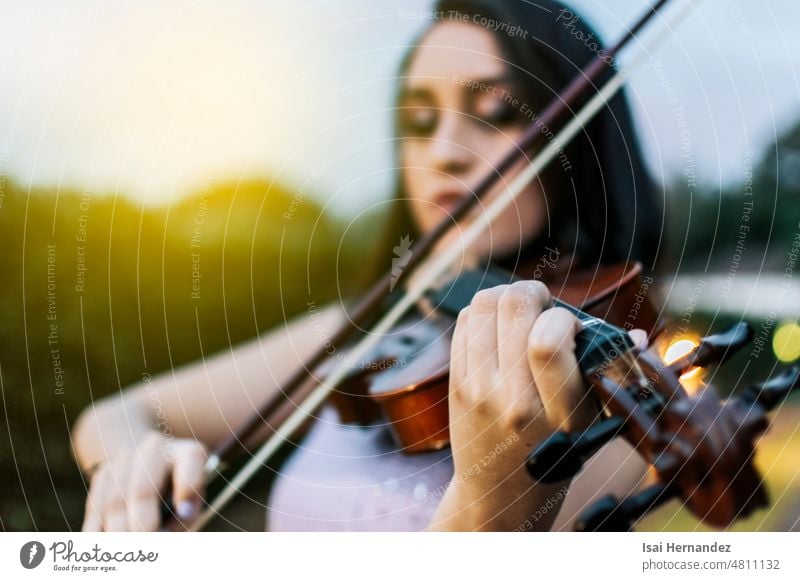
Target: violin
x: 405, y: 380
x: 700, y: 448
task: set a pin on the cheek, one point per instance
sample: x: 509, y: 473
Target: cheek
x: 414, y: 178
x: 520, y: 223
x: 411, y: 187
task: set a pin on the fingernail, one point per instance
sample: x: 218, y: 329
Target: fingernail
x: 185, y: 509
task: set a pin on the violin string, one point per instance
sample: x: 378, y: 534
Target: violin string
x: 438, y: 264
x: 633, y: 364
x: 627, y: 356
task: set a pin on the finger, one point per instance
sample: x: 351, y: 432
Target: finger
x: 114, y: 511
x: 116, y: 517
x: 518, y: 307
x: 482, y: 362
x: 458, y: 353
x: 551, y: 356
x: 92, y: 516
x: 143, y: 494
x: 188, y: 478
x: 639, y: 338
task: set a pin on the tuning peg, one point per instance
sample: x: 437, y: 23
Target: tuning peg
x: 610, y: 515
x: 562, y: 455
x: 715, y: 348
x: 770, y: 393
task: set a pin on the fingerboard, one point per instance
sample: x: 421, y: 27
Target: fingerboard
x: 597, y: 345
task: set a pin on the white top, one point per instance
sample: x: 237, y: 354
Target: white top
x: 352, y: 478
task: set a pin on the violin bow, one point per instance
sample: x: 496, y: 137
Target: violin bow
x: 574, y: 96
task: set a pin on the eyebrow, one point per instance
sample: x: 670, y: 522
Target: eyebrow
x: 475, y: 84
x: 468, y: 84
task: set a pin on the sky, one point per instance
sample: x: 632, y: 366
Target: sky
x: 152, y: 100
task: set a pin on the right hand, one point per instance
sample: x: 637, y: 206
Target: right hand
x: 126, y: 491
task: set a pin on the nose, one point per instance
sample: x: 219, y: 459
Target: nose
x: 450, y: 150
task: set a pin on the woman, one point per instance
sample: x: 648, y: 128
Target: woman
x: 470, y: 85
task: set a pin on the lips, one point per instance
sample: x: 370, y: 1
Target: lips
x: 448, y: 200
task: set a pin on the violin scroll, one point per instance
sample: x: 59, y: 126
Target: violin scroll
x: 700, y: 447
x: 562, y: 455
x: 609, y: 514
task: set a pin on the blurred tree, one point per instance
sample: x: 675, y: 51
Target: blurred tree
x: 96, y: 291
x: 758, y: 215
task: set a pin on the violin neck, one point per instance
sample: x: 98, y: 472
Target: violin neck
x: 600, y: 346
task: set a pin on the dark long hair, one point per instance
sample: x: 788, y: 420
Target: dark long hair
x: 602, y: 201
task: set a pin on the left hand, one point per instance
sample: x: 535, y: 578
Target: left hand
x: 514, y: 380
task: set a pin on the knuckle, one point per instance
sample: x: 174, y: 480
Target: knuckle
x: 473, y: 395
x: 552, y: 333
x: 516, y: 420
x: 485, y: 301
x: 563, y: 314
x: 480, y: 403
x: 536, y: 289
x: 457, y: 396
x: 544, y: 348
x: 514, y: 302
x: 188, y: 458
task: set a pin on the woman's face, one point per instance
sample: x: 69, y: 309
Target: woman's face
x: 457, y: 121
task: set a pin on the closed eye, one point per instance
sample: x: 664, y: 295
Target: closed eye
x: 417, y: 113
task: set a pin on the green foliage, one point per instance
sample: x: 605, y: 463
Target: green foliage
x: 97, y: 291
x: 758, y: 215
